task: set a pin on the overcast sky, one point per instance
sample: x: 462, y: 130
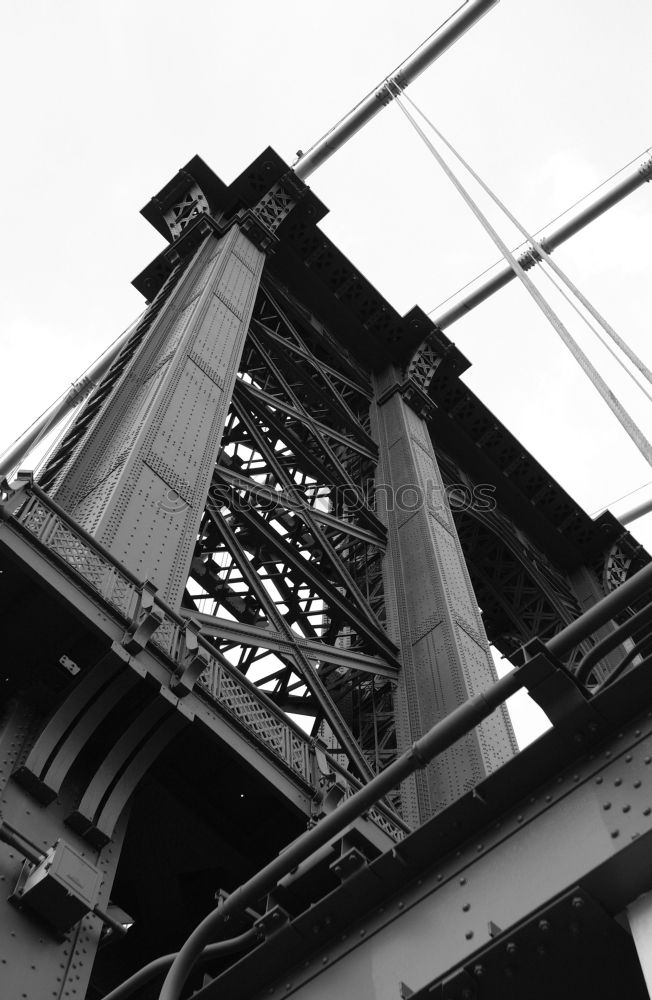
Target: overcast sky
x: 102, y: 103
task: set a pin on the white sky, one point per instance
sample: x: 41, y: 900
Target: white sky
x: 104, y: 102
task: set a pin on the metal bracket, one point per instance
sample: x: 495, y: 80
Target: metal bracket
x: 13, y: 493
x: 193, y: 661
x: 146, y: 620
x: 557, y: 692
x: 272, y: 921
x: 348, y: 864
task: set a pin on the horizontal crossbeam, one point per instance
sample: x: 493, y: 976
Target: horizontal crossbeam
x: 276, y: 642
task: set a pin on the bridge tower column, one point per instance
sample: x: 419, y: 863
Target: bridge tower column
x: 432, y: 612
x: 140, y: 483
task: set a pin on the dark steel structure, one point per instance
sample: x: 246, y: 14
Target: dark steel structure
x: 282, y: 502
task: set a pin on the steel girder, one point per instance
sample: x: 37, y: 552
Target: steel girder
x: 517, y: 889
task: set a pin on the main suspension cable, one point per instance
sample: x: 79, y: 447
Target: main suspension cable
x: 601, y: 386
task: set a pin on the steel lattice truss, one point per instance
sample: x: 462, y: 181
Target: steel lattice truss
x: 286, y: 575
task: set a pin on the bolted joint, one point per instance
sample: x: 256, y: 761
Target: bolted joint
x: 193, y: 661
x: 147, y: 619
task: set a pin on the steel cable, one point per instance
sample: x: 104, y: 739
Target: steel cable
x: 590, y: 371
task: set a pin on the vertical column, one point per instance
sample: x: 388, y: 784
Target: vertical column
x: 140, y: 482
x: 432, y: 612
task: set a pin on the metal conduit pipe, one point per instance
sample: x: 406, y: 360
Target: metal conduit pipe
x: 605, y: 646
x: 26, y: 847
x: 625, y: 662
x: 162, y: 964
x: 600, y: 613
x: 633, y: 178
x: 414, y: 65
x: 436, y: 741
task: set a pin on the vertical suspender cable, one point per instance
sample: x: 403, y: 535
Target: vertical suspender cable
x: 609, y: 397
x: 597, y: 333
x: 540, y: 251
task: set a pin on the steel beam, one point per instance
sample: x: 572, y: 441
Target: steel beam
x: 432, y: 612
x: 277, y: 642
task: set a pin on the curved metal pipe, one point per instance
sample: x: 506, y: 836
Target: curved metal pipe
x: 632, y: 179
x: 162, y: 964
x: 600, y: 613
x: 414, y: 65
x: 606, y: 645
x: 438, y: 739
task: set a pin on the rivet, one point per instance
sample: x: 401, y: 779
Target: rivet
x: 576, y: 777
x: 469, y: 935
x: 577, y: 902
x: 548, y: 798
x: 618, y: 782
x: 519, y: 819
x: 607, y: 753
x: 511, y: 948
x: 637, y: 732
x: 478, y: 970
x: 462, y: 881
x: 626, y: 808
x: 637, y: 784
x: 362, y: 932
x: 466, y: 907
x: 646, y: 760
x: 544, y: 926
x: 628, y: 758
x: 615, y: 833
x: 599, y: 781
x: 479, y: 848
x: 607, y: 805
x: 647, y: 811
x: 400, y: 905
x: 439, y: 877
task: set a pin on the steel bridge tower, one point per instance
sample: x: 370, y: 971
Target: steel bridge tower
x: 280, y: 506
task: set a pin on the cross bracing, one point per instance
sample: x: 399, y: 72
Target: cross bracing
x: 290, y: 543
